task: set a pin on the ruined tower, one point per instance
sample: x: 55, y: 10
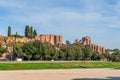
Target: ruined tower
x: 86, y: 41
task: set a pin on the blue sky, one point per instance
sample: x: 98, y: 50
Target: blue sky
x: 99, y: 19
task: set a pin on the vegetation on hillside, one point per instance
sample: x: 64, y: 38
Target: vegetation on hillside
x: 2, y: 50
x: 45, y: 51
x: 17, y: 35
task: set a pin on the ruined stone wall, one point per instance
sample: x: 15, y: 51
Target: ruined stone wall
x: 86, y: 41
x: 99, y: 49
x: 10, y: 39
x: 2, y: 39
x: 52, y: 39
x: 58, y: 40
x: 13, y: 39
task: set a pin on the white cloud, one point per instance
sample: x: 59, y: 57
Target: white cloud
x: 94, y: 17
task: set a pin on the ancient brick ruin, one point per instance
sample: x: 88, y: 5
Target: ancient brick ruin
x: 86, y: 41
x: 55, y: 40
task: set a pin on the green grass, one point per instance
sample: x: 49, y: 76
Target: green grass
x: 57, y: 65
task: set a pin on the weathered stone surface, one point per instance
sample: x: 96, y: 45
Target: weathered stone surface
x: 10, y: 39
x: 2, y: 39
x: 86, y: 41
x: 53, y: 39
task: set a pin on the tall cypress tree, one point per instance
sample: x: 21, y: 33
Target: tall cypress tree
x: 27, y: 31
x: 35, y: 33
x: 9, y: 31
x: 31, y: 32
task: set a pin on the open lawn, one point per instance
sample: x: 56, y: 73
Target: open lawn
x: 56, y: 65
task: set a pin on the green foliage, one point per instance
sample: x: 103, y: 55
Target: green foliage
x: 68, y: 42
x: 34, y: 33
x: 95, y: 56
x: 45, y: 51
x: 71, y: 52
x: 35, y: 51
x: 2, y: 50
x: 87, y: 53
x: 115, y: 56
x: 9, y: 31
x: 29, y: 32
x: 5, y: 39
x: 17, y: 36
x: 17, y: 50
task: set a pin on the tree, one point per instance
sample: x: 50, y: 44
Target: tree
x: 35, y: 33
x: 116, y: 55
x: 17, y: 50
x: 17, y: 35
x: 61, y: 55
x: 39, y: 51
x: 78, y: 51
x: 68, y: 42
x: 31, y: 32
x: 28, y: 31
x: 87, y: 53
x: 18, y: 53
x: 2, y: 50
x: 76, y: 41
x: 71, y: 52
x: 95, y: 56
x: 9, y: 31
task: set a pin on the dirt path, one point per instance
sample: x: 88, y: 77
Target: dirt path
x: 62, y: 74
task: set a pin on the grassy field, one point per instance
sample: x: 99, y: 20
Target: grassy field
x: 56, y: 65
